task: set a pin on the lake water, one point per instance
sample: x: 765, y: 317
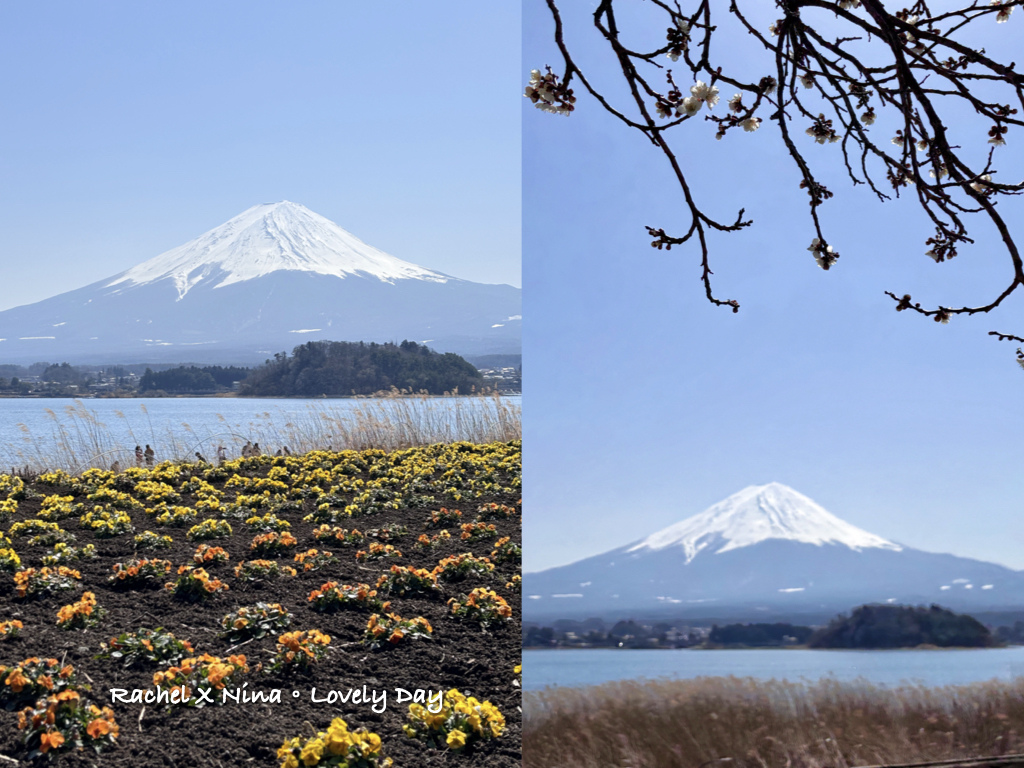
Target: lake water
x: 578, y: 667
x: 63, y: 432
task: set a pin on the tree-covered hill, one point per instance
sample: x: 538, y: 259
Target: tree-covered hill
x: 898, y: 626
x: 347, y: 368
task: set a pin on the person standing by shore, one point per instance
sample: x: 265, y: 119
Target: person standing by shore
x: 138, y: 455
x: 149, y: 454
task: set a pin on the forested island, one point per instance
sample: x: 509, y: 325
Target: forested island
x: 898, y: 626
x: 357, y: 368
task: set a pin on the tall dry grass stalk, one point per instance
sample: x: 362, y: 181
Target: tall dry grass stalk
x: 80, y: 440
x: 745, y: 723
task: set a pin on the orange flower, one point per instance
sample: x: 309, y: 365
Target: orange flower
x: 98, y: 728
x: 217, y: 673
x: 50, y: 741
x: 16, y: 680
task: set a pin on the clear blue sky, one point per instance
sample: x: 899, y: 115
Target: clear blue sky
x: 130, y: 128
x: 646, y: 404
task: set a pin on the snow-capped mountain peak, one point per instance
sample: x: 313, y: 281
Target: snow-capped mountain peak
x: 268, y: 238
x: 756, y: 514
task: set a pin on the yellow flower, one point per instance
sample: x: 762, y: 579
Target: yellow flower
x: 337, y: 741
x: 456, y: 740
x: 312, y: 752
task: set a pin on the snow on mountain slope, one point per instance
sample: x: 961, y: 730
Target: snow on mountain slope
x: 774, y: 551
x: 267, y: 238
x: 756, y: 514
x: 274, y: 276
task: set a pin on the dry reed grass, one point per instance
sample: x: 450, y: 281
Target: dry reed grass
x: 745, y: 723
x: 81, y: 440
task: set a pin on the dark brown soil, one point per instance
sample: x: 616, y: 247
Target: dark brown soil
x: 461, y: 655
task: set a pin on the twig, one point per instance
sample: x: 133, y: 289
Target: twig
x: 235, y: 647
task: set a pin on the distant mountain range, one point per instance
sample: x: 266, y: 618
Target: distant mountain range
x: 765, y: 550
x: 273, y: 277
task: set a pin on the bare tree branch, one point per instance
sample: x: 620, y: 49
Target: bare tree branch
x: 910, y: 64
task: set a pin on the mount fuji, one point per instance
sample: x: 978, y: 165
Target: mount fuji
x: 767, y: 549
x: 274, y: 276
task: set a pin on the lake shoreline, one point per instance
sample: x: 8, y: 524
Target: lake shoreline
x: 235, y: 396
x: 583, y: 668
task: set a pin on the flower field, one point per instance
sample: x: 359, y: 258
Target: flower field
x: 214, y: 599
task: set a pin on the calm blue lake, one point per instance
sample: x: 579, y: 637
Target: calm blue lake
x: 577, y: 667
x: 64, y: 432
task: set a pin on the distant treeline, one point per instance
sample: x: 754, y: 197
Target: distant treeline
x: 869, y: 626
x: 347, y: 368
x: 192, y: 380
x: 313, y: 369
x: 760, y: 635
x: 66, y: 380
x: 594, y: 633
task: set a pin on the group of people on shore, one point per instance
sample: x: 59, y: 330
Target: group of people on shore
x: 147, y: 456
